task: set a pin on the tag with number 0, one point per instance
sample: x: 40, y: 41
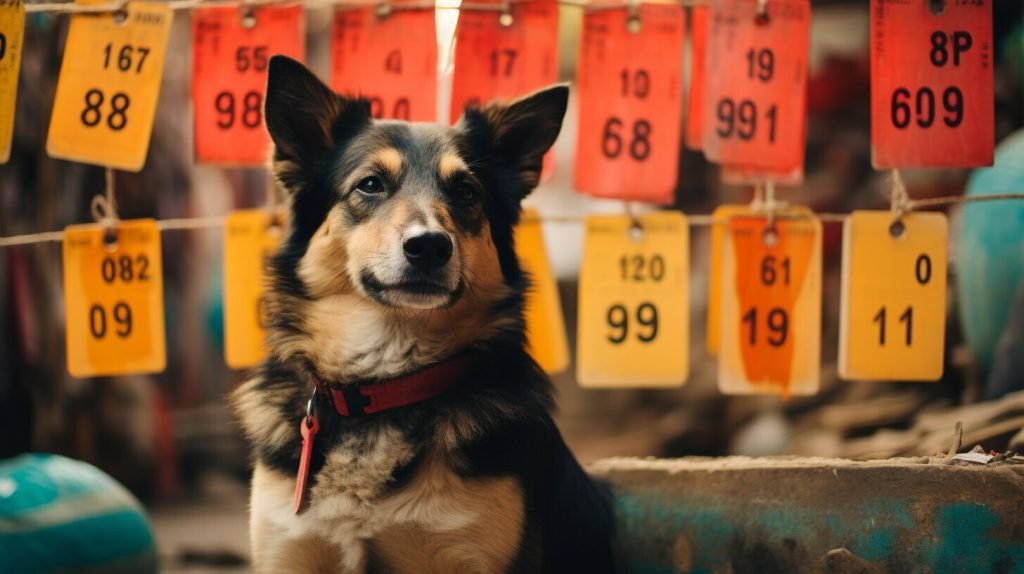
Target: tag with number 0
x: 700, y: 21
x: 12, y: 28
x: 250, y: 240
x: 893, y: 309
x: 108, y: 86
x: 770, y: 321
x: 390, y: 60
x: 630, y: 87
x: 231, y: 50
x: 756, y: 106
x: 634, y: 307
x: 932, y: 99
x: 545, y: 326
x: 113, y: 298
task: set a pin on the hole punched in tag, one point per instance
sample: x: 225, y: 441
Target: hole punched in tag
x: 897, y: 230
x: 383, y: 10
x: 248, y: 18
x: 937, y: 7
x: 505, y: 19
x: 761, y: 19
x: 120, y: 17
x: 633, y: 25
x: 636, y: 228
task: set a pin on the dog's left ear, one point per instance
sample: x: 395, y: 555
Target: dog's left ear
x: 518, y: 134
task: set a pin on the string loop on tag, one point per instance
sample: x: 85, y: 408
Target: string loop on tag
x: 762, y: 13
x: 900, y: 202
x: 248, y: 18
x: 383, y: 10
x: 636, y: 228
x: 633, y: 25
x: 770, y: 206
x: 104, y: 208
x: 505, y: 17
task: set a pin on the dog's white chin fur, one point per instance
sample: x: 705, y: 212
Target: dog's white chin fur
x: 421, y: 301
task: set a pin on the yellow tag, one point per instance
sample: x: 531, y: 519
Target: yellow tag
x: 113, y: 298
x: 633, y: 328
x: 720, y: 216
x: 108, y: 86
x: 249, y: 242
x: 545, y: 327
x: 12, y: 28
x: 770, y: 337
x: 893, y: 310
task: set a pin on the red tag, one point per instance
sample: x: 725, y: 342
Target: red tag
x: 932, y: 102
x: 630, y: 87
x: 756, y: 108
x: 390, y: 60
x: 230, y: 54
x: 308, y: 435
x: 700, y: 20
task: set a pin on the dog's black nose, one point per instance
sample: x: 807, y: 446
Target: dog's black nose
x: 428, y: 251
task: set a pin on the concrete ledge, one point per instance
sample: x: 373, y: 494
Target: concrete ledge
x: 737, y: 515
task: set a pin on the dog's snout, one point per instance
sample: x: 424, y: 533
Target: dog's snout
x: 428, y: 251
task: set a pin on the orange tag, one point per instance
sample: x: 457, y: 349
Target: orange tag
x: 108, y: 86
x: 249, y: 242
x: 757, y: 100
x: 114, y: 300
x: 390, y: 60
x: 545, y: 326
x: 231, y: 49
x: 893, y: 310
x: 12, y: 28
x: 932, y: 100
x: 630, y: 88
x: 700, y: 18
x: 770, y: 307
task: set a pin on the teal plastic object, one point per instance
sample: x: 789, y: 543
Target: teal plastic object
x: 990, y: 254
x: 62, y: 515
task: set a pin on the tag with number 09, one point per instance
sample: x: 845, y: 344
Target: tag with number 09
x: 113, y: 298
x: 893, y: 309
x: 770, y: 307
x: 12, y: 28
x: 108, y: 86
x: 634, y: 308
x: 250, y: 240
x: 545, y: 326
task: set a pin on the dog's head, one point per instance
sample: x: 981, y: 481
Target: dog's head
x: 410, y: 216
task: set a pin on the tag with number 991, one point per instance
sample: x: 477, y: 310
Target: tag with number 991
x: 113, y: 298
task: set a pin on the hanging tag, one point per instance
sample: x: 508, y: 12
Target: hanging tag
x: 231, y: 50
x: 113, y: 299
x: 932, y: 99
x: 308, y: 427
x: 545, y: 326
x: 633, y: 328
x: 700, y: 17
x: 250, y: 240
x: 770, y: 307
x: 390, y: 60
x: 893, y: 309
x: 630, y: 88
x: 756, y: 107
x: 12, y: 28
x: 108, y: 86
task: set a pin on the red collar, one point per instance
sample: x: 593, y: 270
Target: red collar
x: 353, y: 400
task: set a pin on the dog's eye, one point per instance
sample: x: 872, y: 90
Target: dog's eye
x: 370, y: 184
x: 466, y: 192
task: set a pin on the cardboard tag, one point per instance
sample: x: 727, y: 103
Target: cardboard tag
x: 756, y: 108
x: 545, y: 325
x: 932, y: 98
x: 700, y: 21
x: 630, y: 87
x: 231, y: 50
x: 250, y: 240
x: 108, y: 85
x: 390, y: 60
x: 12, y: 29
x: 634, y: 320
x: 770, y: 336
x: 893, y: 309
x: 114, y: 300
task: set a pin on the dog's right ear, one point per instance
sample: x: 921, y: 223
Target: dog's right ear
x: 307, y: 121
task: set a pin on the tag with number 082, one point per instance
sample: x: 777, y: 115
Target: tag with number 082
x: 250, y: 240
x: 113, y: 299
x: 12, y: 29
x: 893, y: 309
x: 108, y: 86
x: 634, y: 307
x: 545, y: 326
x: 770, y: 324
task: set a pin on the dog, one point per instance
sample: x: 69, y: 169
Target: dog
x: 398, y: 423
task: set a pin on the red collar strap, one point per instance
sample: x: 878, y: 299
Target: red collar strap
x: 359, y: 400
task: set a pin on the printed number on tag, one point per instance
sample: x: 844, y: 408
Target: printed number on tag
x: 12, y: 28
x: 231, y: 53
x: 391, y: 61
x: 700, y: 21
x: 630, y: 88
x: 634, y: 308
x: 250, y: 240
x: 932, y: 99
x: 108, y: 86
x: 893, y: 310
x: 545, y: 326
x: 755, y: 112
x: 770, y: 307
x: 113, y: 298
